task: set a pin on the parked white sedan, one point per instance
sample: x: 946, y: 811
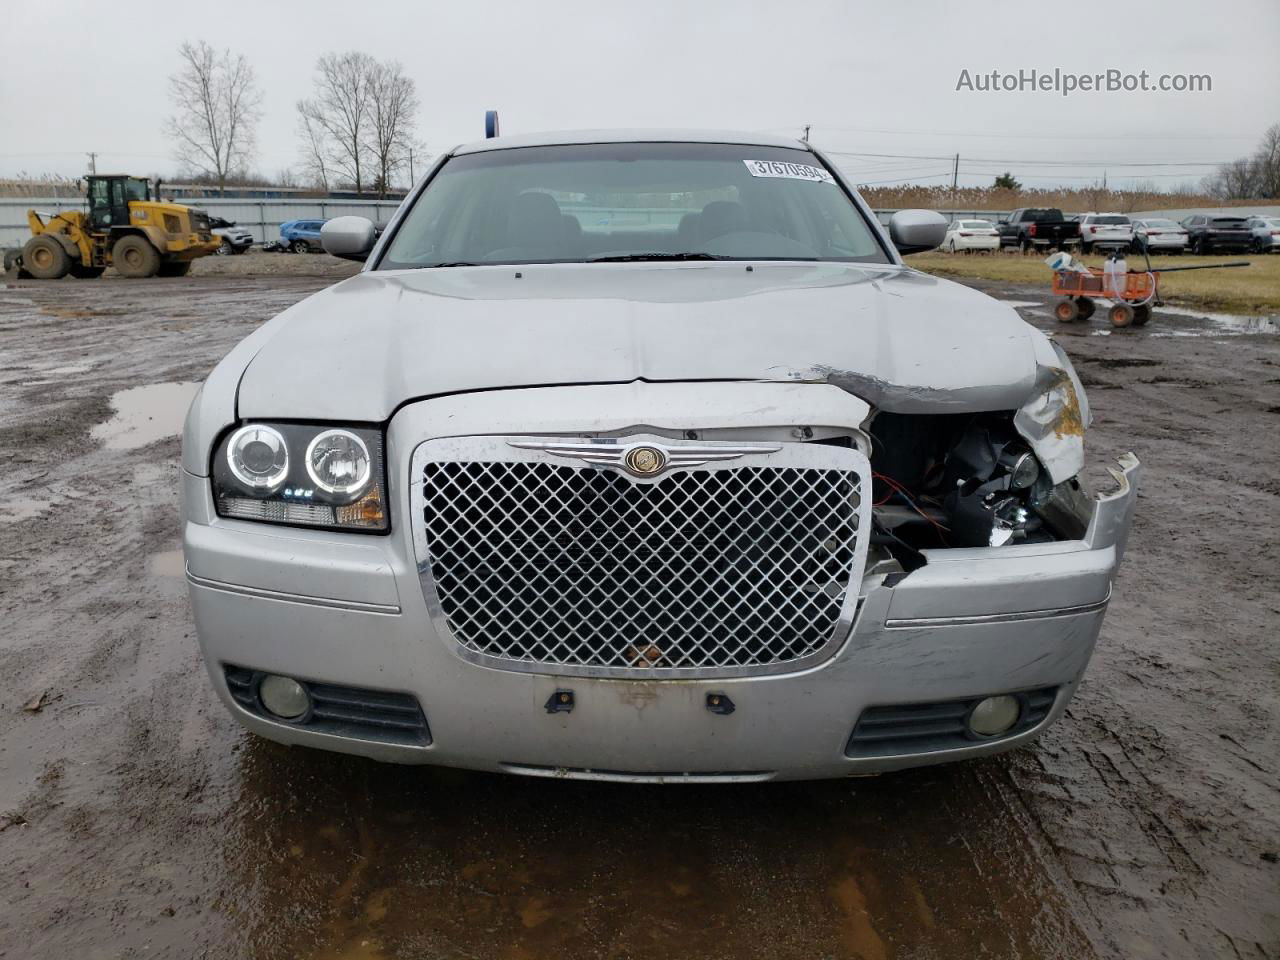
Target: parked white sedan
x: 1157, y: 235
x: 968, y: 235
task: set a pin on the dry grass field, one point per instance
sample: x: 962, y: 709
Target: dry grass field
x: 1247, y: 290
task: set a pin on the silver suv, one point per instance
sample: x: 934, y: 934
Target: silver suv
x: 644, y: 456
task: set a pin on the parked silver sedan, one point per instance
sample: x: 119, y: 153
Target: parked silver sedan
x: 1156, y: 235
x: 1266, y: 234
x: 644, y: 456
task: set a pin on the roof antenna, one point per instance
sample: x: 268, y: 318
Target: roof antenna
x: 490, y: 124
x: 805, y: 138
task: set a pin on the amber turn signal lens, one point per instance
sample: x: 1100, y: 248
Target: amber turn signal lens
x: 365, y: 512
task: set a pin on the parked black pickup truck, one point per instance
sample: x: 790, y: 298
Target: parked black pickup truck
x: 1029, y: 227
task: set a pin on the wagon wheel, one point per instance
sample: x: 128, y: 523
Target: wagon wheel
x: 1141, y: 315
x: 1067, y: 311
x: 1087, y: 306
x: 1121, y: 315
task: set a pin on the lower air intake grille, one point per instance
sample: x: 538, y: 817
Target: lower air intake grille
x: 926, y: 727
x: 341, y: 711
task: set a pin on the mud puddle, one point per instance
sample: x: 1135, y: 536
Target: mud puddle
x: 444, y: 863
x: 145, y: 414
x: 1228, y: 323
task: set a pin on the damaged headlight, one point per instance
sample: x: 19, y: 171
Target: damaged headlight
x: 304, y: 475
x: 992, y: 480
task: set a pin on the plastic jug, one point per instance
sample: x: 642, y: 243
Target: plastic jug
x: 1114, y: 277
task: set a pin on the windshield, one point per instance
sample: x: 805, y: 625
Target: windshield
x: 1109, y: 218
x: 975, y: 224
x: 1160, y: 224
x: 631, y: 201
x: 135, y: 189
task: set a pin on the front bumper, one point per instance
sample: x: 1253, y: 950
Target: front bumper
x: 349, y: 610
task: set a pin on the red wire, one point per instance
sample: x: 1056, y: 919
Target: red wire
x: 895, y: 486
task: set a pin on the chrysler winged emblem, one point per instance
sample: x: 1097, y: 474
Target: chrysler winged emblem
x: 641, y: 458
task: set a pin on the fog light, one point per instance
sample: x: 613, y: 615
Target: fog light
x: 994, y: 715
x: 284, y: 697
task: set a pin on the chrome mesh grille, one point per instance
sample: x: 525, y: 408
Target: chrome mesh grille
x: 725, y: 569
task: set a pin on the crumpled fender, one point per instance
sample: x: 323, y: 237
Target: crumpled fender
x: 1054, y: 420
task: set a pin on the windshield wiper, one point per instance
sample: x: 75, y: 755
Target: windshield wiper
x: 635, y: 257
x: 453, y: 263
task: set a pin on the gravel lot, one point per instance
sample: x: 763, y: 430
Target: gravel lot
x: 137, y: 819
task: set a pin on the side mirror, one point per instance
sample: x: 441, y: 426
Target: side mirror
x: 351, y: 238
x: 915, y: 230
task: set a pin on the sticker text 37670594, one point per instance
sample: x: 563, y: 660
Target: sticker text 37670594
x: 789, y: 171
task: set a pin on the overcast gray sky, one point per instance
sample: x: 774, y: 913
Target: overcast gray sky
x: 871, y: 77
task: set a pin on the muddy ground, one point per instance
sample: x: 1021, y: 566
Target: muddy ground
x: 137, y: 819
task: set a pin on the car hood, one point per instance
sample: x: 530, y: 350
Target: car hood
x: 899, y: 339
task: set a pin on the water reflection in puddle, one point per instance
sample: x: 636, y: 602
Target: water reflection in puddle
x: 1229, y: 322
x: 146, y: 414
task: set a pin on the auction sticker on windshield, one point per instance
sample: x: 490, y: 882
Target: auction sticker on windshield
x: 791, y: 171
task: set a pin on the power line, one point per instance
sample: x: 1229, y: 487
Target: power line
x: 1049, y: 163
x: 922, y: 176
x: 1019, y: 136
x: 1072, y: 176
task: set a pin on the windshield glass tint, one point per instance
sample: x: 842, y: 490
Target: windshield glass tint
x: 578, y: 203
x: 1110, y: 219
x: 1161, y: 224
x: 975, y: 225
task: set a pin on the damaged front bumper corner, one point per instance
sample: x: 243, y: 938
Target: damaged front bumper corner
x: 1113, y: 513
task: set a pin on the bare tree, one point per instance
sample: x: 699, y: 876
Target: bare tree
x: 1267, y: 163
x: 216, y: 100
x: 315, y: 148
x: 393, y: 102
x: 1237, y: 180
x: 341, y: 112
x: 1251, y: 177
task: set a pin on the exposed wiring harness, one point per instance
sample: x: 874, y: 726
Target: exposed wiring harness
x: 896, y: 488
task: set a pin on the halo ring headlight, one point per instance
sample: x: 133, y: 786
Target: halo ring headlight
x: 338, y: 462
x: 258, y: 457
x: 1024, y: 472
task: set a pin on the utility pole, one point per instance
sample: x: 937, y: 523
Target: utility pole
x: 955, y: 179
x: 412, y: 179
x: 93, y: 163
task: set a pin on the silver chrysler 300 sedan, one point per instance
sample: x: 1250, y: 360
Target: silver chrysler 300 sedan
x: 643, y: 456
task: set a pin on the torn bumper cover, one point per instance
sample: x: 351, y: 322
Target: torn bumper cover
x: 971, y: 623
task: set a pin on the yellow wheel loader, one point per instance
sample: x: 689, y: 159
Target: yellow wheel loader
x: 121, y: 227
